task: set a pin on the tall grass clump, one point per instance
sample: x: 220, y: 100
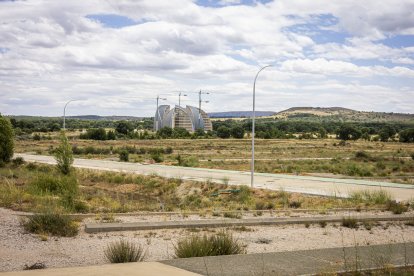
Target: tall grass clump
x: 51, y: 223
x: 222, y: 243
x: 123, y: 251
x: 371, y: 197
x: 55, y: 185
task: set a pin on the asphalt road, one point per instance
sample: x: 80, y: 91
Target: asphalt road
x: 289, y: 183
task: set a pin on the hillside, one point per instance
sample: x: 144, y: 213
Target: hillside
x: 340, y: 114
x: 239, y: 114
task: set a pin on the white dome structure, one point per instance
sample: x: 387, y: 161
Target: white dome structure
x: 191, y: 118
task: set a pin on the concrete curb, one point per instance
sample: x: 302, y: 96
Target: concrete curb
x: 136, y: 226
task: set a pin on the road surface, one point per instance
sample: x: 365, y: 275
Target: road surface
x: 289, y: 183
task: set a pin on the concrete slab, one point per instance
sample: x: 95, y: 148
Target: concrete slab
x: 211, y: 223
x: 141, y: 269
x: 304, y: 262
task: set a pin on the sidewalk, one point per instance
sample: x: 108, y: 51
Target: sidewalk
x: 305, y: 262
x: 140, y: 269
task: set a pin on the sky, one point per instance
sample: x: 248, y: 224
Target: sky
x: 114, y: 57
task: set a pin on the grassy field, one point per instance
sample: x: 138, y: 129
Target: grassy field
x: 41, y: 188
x: 390, y: 161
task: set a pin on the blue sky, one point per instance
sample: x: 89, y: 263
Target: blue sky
x: 115, y: 57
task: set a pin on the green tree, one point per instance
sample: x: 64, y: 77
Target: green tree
x: 165, y: 132
x: 123, y: 127
x: 64, y: 155
x: 407, y: 136
x: 348, y: 132
x: 223, y: 132
x: 6, y: 140
x: 111, y: 135
x: 237, y: 132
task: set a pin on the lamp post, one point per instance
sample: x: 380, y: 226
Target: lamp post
x: 199, y: 105
x: 64, y: 114
x: 253, y: 123
x: 158, y: 113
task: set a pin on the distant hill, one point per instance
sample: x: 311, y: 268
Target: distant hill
x: 107, y: 118
x: 239, y: 114
x: 85, y: 117
x: 341, y: 114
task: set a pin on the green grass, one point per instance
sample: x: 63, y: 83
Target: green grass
x: 123, y: 251
x: 371, y: 197
x: 51, y: 223
x: 222, y: 243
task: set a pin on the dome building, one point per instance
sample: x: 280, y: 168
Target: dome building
x: 191, y: 118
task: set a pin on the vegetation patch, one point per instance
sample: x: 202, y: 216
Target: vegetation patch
x: 222, y: 243
x: 124, y: 251
x: 51, y: 223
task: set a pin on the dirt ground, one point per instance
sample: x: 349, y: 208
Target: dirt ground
x: 18, y: 248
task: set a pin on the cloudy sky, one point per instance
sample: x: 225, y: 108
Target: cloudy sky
x: 116, y: 56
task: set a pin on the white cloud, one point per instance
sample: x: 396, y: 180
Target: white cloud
x: 56, y: 53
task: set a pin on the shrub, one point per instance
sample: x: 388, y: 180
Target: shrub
x: 221, y: 243
x: 190, y: 161
x: 6, y: 140
x: 124, y: 155
x: 371, y: 197
x: 51, y: 223
x: 49, y: 184
x: 349, y: 222
x: 157, y: 157
x: 18, y: 161
x: 295, y: 204
x: 244, y: 194
x: 123, y: 251
x: 64, y: 155
x: 396, y: 208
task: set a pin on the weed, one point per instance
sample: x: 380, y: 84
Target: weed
x: 51, y: 223
x: 123, y: 251
x: 295, y: 204
x: 34, y: 266
x: 232, y: 215
x: 18, y: 161
x: 263, y: 241
x: 322, y: 224
x: 396, y: 208
x: 222, y: 243
x: 124, y: 155
x: 371, y: 197
x: 349, y: 222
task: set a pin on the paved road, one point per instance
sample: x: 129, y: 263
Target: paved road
x: 290, y: 183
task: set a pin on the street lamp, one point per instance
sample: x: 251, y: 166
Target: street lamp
x: 158, y: 113
x: 253, y: 123
x: 64, y: 114
x: 199, y: 105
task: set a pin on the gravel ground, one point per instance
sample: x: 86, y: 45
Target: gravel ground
x: 18, y: 248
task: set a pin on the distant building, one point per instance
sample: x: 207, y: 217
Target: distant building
x: 191, y: 118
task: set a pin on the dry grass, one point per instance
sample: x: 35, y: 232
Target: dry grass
x: 234, y: 154
x: 111, y: 192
